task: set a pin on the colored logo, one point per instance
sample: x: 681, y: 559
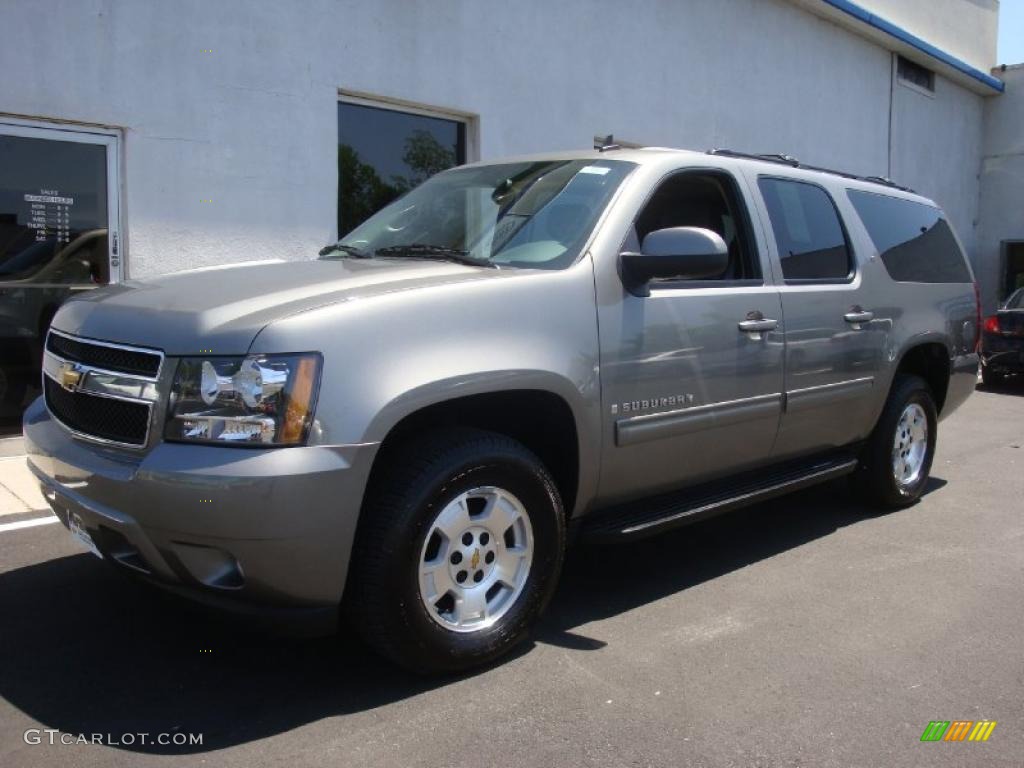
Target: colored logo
x: 70, y: 376
x: 958, y: 730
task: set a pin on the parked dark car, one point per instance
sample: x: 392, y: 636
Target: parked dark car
x: 1002, y: 340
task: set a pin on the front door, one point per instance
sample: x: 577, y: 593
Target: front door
x: 691, y: 375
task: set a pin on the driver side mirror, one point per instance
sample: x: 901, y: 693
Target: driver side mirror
x: 686, y: 253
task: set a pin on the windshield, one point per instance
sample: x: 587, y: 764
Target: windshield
x: 532, y: 214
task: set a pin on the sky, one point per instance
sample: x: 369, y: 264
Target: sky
x: 1011, y: 32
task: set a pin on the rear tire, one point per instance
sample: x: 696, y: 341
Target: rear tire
x: 460, y: 545
x: 990, y: 377
x: 897, y: 459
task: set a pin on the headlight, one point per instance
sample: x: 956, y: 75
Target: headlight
x: 259, y: 399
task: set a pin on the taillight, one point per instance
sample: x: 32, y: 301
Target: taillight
x: 977, y: 316
x: 992, y: 324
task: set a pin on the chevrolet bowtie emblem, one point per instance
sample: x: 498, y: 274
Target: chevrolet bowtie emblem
x: 70, y: 376
x: 475, y: 560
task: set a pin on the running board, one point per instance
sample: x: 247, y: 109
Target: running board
x: 647, y: 517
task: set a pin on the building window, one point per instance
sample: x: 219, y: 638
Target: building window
x: 58, y: 236
x: 914, y: 74
x: 384, y: 152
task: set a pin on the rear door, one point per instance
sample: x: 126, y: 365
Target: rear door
x: 834, y: 343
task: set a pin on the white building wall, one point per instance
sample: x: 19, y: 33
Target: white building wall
x: 1001, y: 214
x: 965, y: 28
x: 937, y: 146
x: 252, y: 126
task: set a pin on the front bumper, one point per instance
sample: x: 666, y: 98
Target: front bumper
x: 265, y: 532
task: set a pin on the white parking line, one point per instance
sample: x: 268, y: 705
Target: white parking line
x: 28, y: 523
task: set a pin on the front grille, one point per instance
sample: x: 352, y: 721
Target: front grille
x: 109, y: 358
x: 101, y: 417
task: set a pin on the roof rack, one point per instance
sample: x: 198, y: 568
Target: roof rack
x: 606, y: 143
x: 792, y: 162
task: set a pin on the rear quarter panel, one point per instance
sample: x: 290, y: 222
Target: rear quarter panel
x: 914, y: 313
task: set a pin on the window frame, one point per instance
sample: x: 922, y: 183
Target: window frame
x: 928, y: 91
x: 110, y: 138
x: 852, y: 260
x: 749, y: 232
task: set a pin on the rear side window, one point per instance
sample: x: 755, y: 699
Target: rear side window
x: 914, y: 240
x: 810, y: 238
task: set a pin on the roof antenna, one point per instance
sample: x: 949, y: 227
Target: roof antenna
x: 605, y: 144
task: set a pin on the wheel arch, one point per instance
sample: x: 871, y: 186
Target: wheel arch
x: 541, y: 418
x: 928, y: 357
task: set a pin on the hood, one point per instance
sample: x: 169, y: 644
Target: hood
x: 223, y: 308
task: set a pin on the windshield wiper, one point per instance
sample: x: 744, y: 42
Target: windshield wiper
x: 348, y: 250
x: 435, y: 251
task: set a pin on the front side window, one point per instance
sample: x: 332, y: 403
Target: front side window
x: 810, y: 238
x: 531, y: 214
x: 913, y: 239
x: 708, y: 200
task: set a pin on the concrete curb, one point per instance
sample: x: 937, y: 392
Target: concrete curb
x: 19, y: 489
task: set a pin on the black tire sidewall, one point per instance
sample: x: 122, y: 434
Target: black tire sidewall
x: 888, y: 491
x: 420, y: 638
x: 988, y: 376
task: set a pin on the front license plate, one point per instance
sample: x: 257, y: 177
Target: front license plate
x: 79, y: 532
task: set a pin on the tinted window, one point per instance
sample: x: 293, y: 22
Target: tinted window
x: 383, y: 153
x: 914, y: 73
x: 53, y: 211
x: 915, y: 242
x: 810, y: 238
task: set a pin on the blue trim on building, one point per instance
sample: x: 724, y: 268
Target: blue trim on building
x: 903, y: 36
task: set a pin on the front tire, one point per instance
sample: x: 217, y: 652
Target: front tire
x: 897, y: 459
x: 459, y: 549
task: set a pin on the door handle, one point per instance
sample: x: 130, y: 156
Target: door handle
x: 758, y: 326
x: 857, y: 315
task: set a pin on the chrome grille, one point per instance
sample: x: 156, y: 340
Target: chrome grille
x: 116, y: 421
x: 99, y: 390
x: 109, y: 357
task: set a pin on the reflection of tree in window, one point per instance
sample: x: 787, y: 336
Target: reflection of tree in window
x: 425, y: 156
x: 361, y: 193
x: 361, y: 190
x: 383, y: 153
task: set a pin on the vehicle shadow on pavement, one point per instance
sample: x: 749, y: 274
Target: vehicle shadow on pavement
x: 86, y: 651
x: 653, y: 568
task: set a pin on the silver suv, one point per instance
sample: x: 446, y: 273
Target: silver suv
x: 407, y: 430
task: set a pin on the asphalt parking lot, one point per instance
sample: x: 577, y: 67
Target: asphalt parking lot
x: 806, y: 631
